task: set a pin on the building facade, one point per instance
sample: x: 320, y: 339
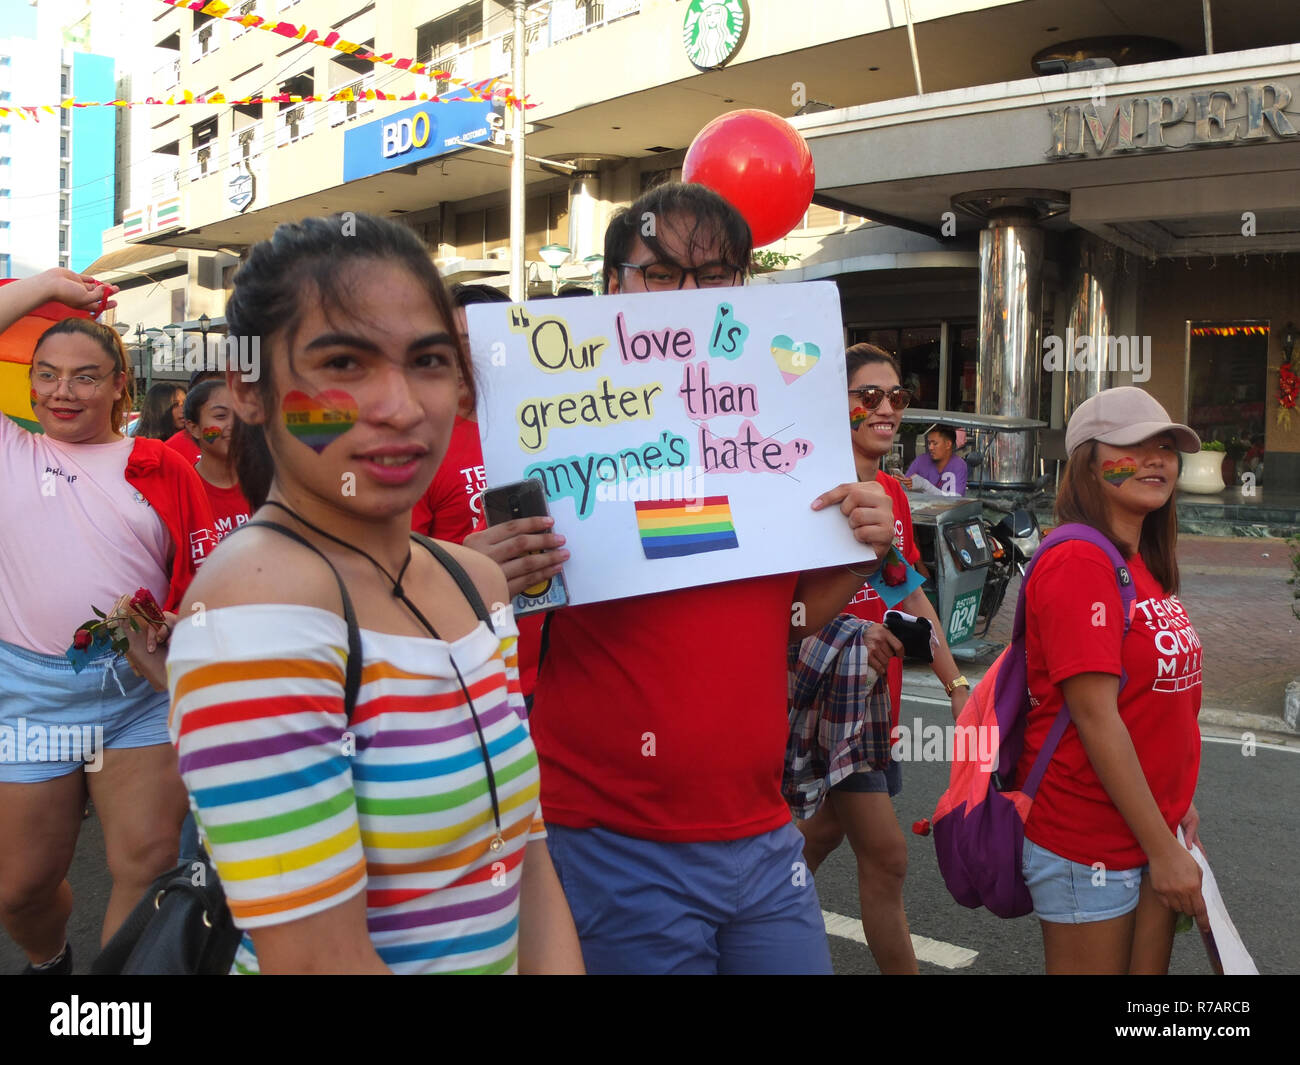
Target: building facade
x: 57, y: 172
x: 1025, y: 176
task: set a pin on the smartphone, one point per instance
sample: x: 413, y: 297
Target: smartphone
x: 523, y: 499
x: 915, y: 634
x: 526, y: 499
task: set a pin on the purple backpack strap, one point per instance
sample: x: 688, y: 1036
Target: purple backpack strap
x: 1128, y: 598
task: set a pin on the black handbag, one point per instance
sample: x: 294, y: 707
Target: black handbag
x: 181, y: 927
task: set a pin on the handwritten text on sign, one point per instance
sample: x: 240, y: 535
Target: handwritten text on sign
x: 666, y: 426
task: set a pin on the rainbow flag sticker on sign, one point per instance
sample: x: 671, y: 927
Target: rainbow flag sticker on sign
x: 671, y: 528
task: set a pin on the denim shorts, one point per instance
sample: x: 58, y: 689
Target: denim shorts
x: 870, y: 781
x: 1066, y: 892
x: 54, y: 721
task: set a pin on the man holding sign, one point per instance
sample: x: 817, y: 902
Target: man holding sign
x: 660, y: 719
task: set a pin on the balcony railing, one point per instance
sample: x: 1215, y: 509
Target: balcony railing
x: 548, y: 25
x: 168, y: 76
x: 246, y: 143
x: 165, y: 184
x: 249, y: 7
x: 294, y: 123
x: 203, y: 161
x: 342, y: 111
x: 571, y: 18
x: 204, y: 41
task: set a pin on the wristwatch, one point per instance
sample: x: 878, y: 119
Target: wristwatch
x: 958, y: 681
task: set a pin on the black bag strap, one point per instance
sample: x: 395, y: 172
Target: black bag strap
x: 459, y: 575
x: 352, y: 674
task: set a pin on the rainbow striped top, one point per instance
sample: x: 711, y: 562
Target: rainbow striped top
x: 301, y: 810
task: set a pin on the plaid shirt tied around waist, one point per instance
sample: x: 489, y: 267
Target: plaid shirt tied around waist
x: 839, y: 714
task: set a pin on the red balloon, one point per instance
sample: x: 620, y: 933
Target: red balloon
x: 758, y: 163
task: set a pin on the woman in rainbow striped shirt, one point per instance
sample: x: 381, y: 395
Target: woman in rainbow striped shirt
x: 404, y: 836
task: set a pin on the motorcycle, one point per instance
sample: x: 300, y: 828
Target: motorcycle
x: 999, y: 538
x: 1013, y: 539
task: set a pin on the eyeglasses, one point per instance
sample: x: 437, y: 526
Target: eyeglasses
x: 871, y: 397
x: 82, y: 386
x: 667, y: 276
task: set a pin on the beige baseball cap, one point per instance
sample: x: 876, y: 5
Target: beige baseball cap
x: 1125, y: 415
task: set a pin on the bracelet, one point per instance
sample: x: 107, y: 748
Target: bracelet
x: 855, y: 573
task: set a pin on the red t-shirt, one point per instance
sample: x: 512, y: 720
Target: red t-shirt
x: 1074, y: 625
x: 229, y: 507
x: 184, y: 443
x: 452, y: 508
x: 664, y: 716
x: 867, y: 605
x: 452, y: 505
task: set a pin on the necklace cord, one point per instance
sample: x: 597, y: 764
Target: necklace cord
x: 424, y: 622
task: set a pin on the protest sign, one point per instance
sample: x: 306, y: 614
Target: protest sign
x: 681, y: 437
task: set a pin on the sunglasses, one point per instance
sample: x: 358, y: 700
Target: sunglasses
x: 872, y: 396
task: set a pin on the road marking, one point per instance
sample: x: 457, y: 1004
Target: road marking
x: 1238, y: 742
x: 933, y: 951
x: 1230, y: 741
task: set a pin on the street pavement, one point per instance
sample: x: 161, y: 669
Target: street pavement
x: 1235, y: 592
x: 1248, y: 827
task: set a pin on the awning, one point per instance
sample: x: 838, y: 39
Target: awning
x: 126, y: 257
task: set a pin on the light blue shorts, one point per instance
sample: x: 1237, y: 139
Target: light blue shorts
x: 54, y: 721
x: 1066, y: 892
x: 742, y: 906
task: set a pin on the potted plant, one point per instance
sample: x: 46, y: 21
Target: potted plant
x: 1236, y: 449
x: 1203, y: 472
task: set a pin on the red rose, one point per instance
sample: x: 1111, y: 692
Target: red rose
x: 921, y: 827
x: 144, y: 602
x: 82, y: 639
x: 895, y: 573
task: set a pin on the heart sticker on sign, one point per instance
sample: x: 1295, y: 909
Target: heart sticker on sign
x: 794, y: 359
x: 320, y: 419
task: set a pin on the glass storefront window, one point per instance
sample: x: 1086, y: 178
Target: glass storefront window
x: 917, y: 351
x: 1227, y: 382
x: 963, y: 358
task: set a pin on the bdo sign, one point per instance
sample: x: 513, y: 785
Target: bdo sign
x: 407, y: 137
x: 405, y: 134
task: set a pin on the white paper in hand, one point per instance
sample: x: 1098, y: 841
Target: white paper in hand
x: 1234, y: 957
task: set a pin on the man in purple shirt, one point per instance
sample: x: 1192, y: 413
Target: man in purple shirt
x: 943, y: 469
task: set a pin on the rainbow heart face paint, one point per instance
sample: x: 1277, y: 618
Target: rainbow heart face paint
x: 321, y: 419
x: 857, y: 416
x: 212, y: 434
x: 1117, y: 471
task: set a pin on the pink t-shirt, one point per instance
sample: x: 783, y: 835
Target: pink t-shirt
x: 73, y: 534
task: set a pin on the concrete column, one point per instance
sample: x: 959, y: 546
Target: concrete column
x: 1010, y: 360
x: 1010, y: 324
x: 1092, y: 309
x: 586, y: 236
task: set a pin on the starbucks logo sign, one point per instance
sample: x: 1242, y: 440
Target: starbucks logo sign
x: 713, y: 31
